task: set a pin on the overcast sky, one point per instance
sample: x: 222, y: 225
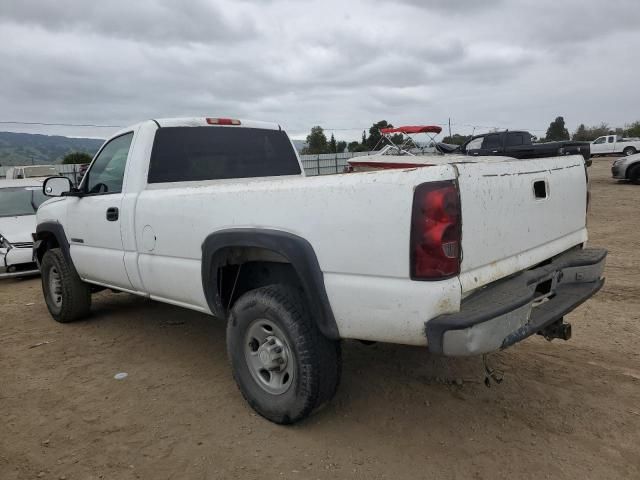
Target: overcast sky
x: 338, y: 64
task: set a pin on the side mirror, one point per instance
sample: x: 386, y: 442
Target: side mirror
x: 56, y: 186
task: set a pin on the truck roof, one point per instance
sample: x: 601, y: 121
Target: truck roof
x: 200, y: 122
x: 209, y: 121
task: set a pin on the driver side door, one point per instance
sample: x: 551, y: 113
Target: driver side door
x: 599, y: 145
x: 93, y: 219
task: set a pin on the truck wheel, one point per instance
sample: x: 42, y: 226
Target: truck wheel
x: 284, y: 367
x: 629, y: 151
x: 68, y: 298
x: 634, y: 174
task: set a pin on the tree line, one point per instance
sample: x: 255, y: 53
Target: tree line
x: 558, y: 131
x: 317, y: 143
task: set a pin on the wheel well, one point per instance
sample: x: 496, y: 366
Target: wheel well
x: 249, y: 258
x: 48, y: 241
x: 631, y: 167
x: 241, y: 269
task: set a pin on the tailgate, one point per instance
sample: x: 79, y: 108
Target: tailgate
x: 518, y: 213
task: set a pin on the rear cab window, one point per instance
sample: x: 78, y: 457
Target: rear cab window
x: 183, y: 154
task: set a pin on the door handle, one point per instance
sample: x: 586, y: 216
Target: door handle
x: 112, y: 214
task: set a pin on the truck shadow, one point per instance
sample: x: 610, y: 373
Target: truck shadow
x: 382, y: 381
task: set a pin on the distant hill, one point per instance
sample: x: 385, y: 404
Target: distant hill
x: 28, y: 148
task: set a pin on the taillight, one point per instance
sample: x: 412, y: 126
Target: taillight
x: 223, y: 121
x: 436, y: 231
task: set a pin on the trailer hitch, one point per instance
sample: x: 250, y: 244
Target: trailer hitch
x: 557, y: 329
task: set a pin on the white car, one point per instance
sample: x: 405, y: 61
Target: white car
x: 627, y: 168
x: 216, y: 215
x: 19, y: 201
x: 31, y: 171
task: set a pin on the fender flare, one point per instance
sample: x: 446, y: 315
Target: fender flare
x: 57, y: 230
x: 295, y: 249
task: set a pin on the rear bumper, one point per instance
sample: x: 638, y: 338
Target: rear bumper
x: 511, y: 310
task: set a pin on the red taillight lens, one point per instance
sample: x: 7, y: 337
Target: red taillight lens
x: 435, y: 231
x: 223, y: 121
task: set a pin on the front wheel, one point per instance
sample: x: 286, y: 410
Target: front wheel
x: 629, y: 151
x: 283, y: 365
x: 634, y: 174
x: 67, y: 297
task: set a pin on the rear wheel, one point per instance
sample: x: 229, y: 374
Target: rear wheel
x: 634, y: 174
x: 629, y: 151
x: 67, y: 297
x: 283, y: 365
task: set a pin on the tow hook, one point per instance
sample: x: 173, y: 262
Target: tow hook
x: 557, y: 329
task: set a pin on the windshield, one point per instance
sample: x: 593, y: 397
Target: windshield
x: 16, y: 201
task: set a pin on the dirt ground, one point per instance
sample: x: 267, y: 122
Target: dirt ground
x: 565, y: 409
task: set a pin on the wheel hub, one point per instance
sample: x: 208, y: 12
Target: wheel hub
x: 272, y: 354
x: 269, y: 357
x: 55, y: 286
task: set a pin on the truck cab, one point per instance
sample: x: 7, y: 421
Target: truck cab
x: 519, y: 144
x: 603, y: 145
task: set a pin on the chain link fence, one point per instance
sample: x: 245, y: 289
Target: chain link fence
x: 328, y: 163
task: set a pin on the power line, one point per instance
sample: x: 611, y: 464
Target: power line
x: 47, y: 124
x: 95, y: 125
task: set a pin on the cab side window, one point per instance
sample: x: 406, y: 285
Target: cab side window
x: 611, y: 139
x: 474, y: 144
x: 491, y: 141
x: 515, y: 140
x: 107, y: 171
x: 600, y: 140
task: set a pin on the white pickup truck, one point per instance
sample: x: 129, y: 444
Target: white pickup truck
x: 610, y: 144
x: 216, y: 215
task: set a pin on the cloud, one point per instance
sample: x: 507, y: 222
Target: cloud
x: 156, y: 21
x: 342, y: 65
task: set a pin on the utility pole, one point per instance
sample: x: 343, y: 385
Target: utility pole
x: 449, y: 128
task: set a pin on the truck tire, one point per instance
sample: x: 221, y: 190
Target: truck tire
x: 283, y: 365
x: 629, y: 151
x: 67, y: 297
x: 634, y: 174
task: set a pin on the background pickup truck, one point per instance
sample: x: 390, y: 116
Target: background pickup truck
x: 610, y: 144
x: 216, y: 215
x: 518, y: 144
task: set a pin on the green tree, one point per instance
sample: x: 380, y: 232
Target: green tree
x: 333, y: 145
x: 341, y: 146
x: 364, y: 137
x: 587, y: 134
x: 375, y: 135
x: 76, y: 158
x: 557, y: 130
x: 316, y: 142
x: 580, y: 134
x: 455, y: 139
x: 352, y: 146
x: 633, y: 129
